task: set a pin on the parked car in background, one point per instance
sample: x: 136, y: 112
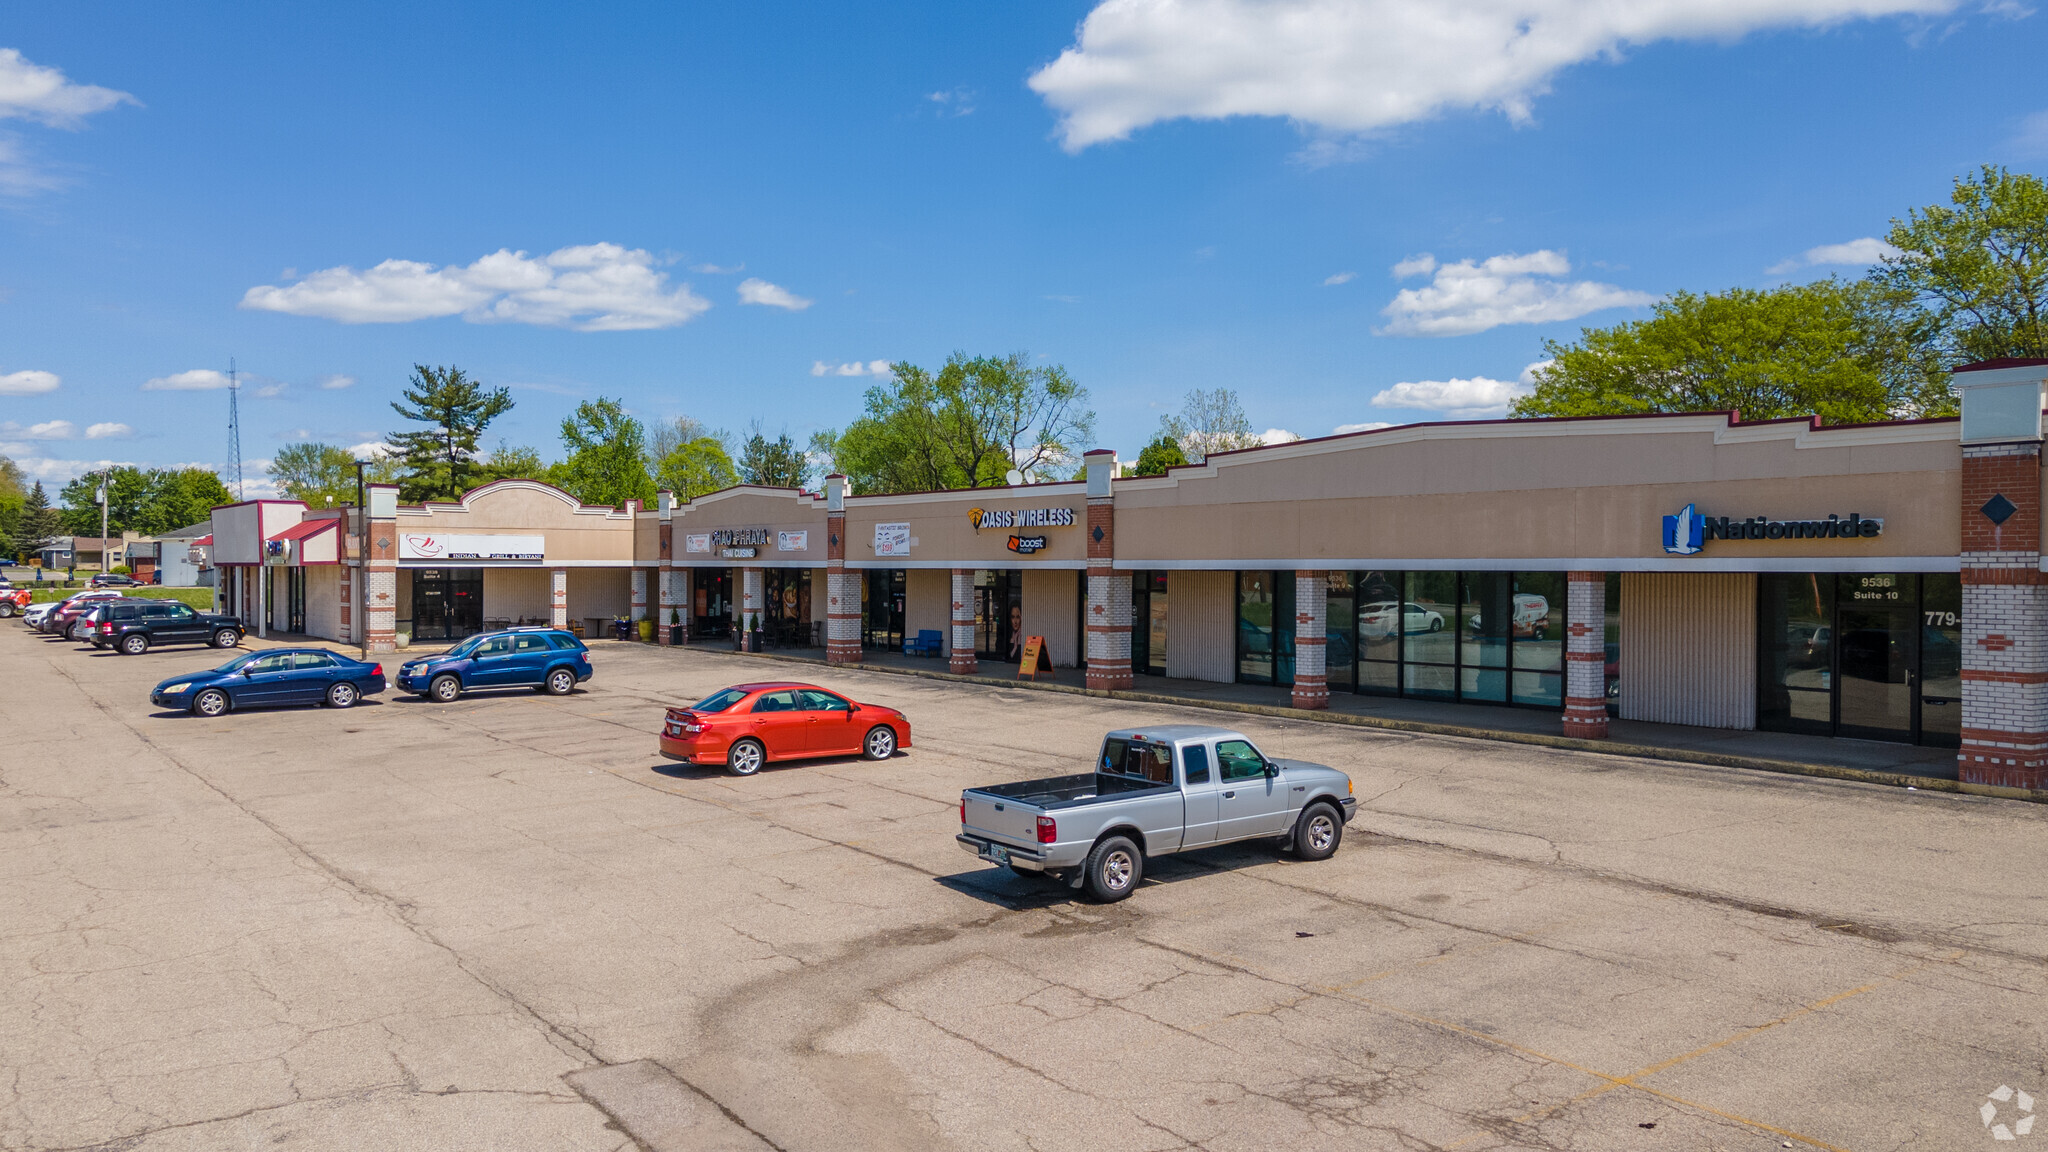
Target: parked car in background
x: 1531, y: 620
x: 280, y: 676
x: 1155, y: 792
x: 14, y: 601
x: 550, y: 660
x: 132, y: 626
x: 63, y: 619
x: 114, y: 580
x: 1383, y: 618
x: 748, y: 725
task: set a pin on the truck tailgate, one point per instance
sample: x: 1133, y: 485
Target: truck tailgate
x: 1001, y: 818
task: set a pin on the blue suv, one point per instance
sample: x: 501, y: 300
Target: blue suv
x: 544, y: 659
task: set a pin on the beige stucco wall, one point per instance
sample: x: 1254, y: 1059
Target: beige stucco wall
x: 1688, y: 648
x: 1052, y: 609
x: 773, y: 509
x: 575, y: 533
x: 928, y: 603
x: 1201, y: 626
x: 1552, y: 489
x: 942, y: 535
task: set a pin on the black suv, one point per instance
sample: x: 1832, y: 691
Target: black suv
x: 130, y: 626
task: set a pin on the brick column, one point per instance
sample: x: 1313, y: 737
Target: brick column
x: 1311, y: 639
x: 665, y: 581
x: 1585, y: 655
x: 842, y: 588
x: 1109, y: 592
x: 961, y: 639
x: 558, y: 598
x: 753, y: 593
x: 380, y: 570
x: 2005, y: 621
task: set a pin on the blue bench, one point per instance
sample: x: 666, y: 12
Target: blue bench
x: 925, y: 643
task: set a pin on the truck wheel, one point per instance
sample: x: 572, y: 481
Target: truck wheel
x: 226, y: 638
x: 1114, y: 869
x: 1318, y: 832
x: 6, y: 609
x: 445, y: 688
x: 134, y: 644
x: 880, y: 744
x: 745, y: 757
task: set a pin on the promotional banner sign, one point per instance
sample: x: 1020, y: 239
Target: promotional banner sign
x: 1026, y: 545
x: 892, y: 539
x: 697, y: 542
x: 792, y: 541
x: 1035, y: 659
x: 452, y: 546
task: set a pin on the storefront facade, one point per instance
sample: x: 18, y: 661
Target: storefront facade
x: 1872, y: 582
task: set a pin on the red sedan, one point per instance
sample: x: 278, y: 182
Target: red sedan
x: 748, y: 725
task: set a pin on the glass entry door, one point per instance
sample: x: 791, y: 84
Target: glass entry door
x: 1877, y: 655
x: 447, y: 603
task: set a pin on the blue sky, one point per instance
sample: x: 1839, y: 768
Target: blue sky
x: 1197, y: 194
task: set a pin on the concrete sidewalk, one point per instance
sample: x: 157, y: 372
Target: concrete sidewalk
x: 1871, y: 761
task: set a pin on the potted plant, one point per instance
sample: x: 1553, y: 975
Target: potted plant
x: 645, y: 629
x: 401, y: 640
x: 675, y: 626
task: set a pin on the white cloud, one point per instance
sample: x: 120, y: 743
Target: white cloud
x: 194, y: 380
x: 372, y: 450
x: 852, y: 368
x: 1421, y: 265
x: 47, y: 430
x: 275, y: 388
x: 715, y: 270
x: 1367, y: 65
x: 1369, y: 426
x: 28, y: 382
x: 35, y: 92
x: 1867, y: 250
x: 1339, y: 278
x: 49, y: 469
x: 954, y: 101
x: 108, y: 430
x: 1469, y: 297
x: 755, y: 290
x: 337, y: 382
x: 1277, y: 436
x: 1473, y: 398
x: 590, y: 288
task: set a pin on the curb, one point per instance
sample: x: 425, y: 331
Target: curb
x: 1423, y: 727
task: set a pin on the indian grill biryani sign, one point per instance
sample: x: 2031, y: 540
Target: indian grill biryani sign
x: 462, y: 546
x: 1020, y: 518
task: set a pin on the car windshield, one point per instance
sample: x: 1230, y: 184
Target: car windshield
x: 466, y: 647
x: 237, y: 662
x: 719, y: 701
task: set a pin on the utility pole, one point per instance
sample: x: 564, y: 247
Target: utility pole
x: 359, y: 586
x: 106, y: 479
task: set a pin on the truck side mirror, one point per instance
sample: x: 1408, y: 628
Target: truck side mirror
x: 1272, y: 769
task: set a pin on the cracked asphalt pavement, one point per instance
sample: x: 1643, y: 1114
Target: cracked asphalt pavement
x: 506, y: 923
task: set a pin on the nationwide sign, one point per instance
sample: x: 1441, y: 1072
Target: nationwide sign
x: 453, y: 546
x: 1020, y: 518
x: 1688, y: 532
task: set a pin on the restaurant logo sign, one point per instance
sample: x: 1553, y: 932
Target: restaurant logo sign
x: 1026, y: 545
x: 456, y: 546
x: 1688, y: 532
x: 731, y: 537
x: 1020, y: 518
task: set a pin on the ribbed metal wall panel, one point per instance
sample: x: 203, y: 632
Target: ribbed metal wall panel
x: 1201, y: 626
x: 1688, y: 648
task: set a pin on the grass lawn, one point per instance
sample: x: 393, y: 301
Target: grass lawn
x: 199, y: 598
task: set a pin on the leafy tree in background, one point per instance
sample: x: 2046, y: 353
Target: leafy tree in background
x: 440, y: 461
x: 776, y: 463
x: 607, y: 460
x: 694, y: 467
x: 965, y: 426
x: 324, y: 475
x: 517, y: 462
x: 1837, y: 349
x: 40, y: 523
x: 180, y: 498
x: 13, y: 497
x: 1977, y: 267
x: 1162, y: 453
x: 1208, y: 423
x: 149, y: 501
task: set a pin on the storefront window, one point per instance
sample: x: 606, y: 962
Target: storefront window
x: 1148, y: 622
x: 1255, y: 627
x: 999, y: 613
x: 1339, y: 648
x: 1795, y: 652
x: 1539, y: 639
x: 881, y: 609
x: 1941, y: 659
x: 1379, y: 619
x: 1869, y: 655
x: 711, y: 602
x: 1429, y: 635
x: 1485, y: 620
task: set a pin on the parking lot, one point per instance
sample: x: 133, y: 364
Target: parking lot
x: 505, y: 923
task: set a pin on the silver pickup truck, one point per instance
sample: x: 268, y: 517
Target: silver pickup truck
x: 1154, y: 792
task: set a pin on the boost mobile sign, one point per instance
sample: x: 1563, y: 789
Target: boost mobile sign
x: 1688, y: 532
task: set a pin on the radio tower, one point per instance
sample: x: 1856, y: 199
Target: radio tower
x: 234, y: 428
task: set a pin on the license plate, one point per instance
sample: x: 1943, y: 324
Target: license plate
x: 997, y: 854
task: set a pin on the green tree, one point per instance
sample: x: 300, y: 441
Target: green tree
x: 180, y: 498
x: 1162, y: 453
x: 1839, y: 350
x: 40, y: 523
x: 1977, y: 267
x: 324, y: 475
x: 149, y: 501
x: 695, y: 467
x: 607, y: 460
x: 776, y: 463
x: 13, y: 497
x: 516, y: 462
x: 965, y: 426
x: 440, y: 461
x: 1208, y: 423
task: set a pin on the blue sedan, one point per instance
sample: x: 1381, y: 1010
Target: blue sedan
x: 266, y: 679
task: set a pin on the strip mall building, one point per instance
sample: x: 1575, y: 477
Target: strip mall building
x: 1874, y: 581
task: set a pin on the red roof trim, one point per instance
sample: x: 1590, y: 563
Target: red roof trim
x: 1996, y: 363
x: 203, y: 541
x: 306, y: 529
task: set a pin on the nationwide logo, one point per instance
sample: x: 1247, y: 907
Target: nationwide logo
x: 1688, y: 532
